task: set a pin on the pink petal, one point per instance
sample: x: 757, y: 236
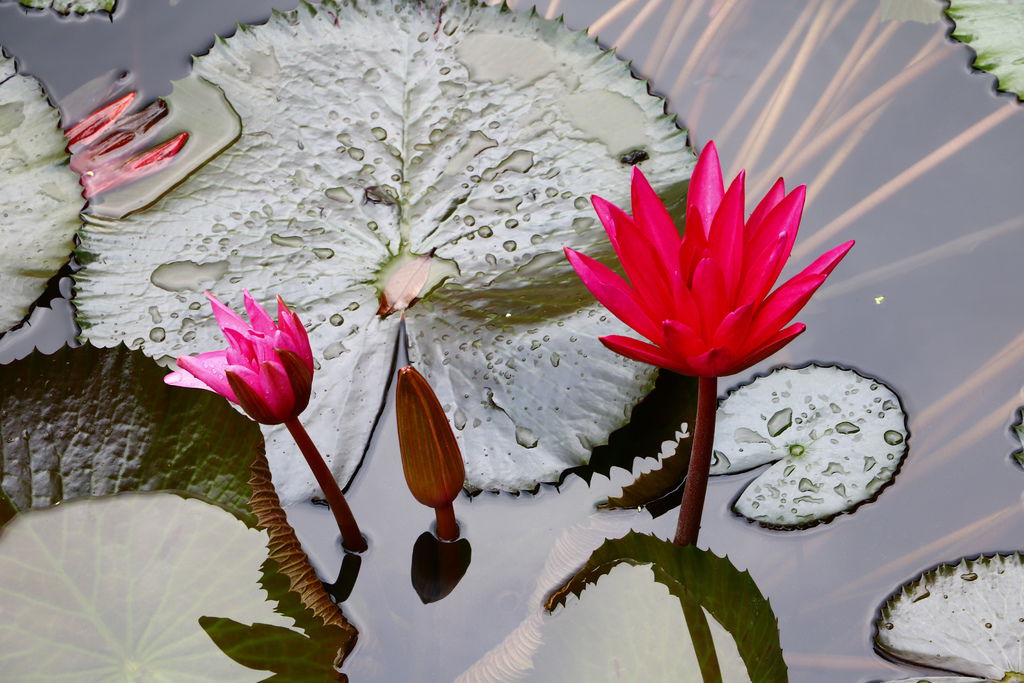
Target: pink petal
x: 240, y: 348
x: 706, y: 187
x: 783, y: 304
x: 97, y: 122
x: 735, y: 328
x: 645, y: 269
x: 646, y: 353
x: 762, y: 271
x: 613, y: 292
x: 277, y: 389
x: 686, y: 308
x: 692, y: 247
x: 682, y: 340
x: 713, y: 363
x: 764, y: 207
x: 709, y: 291
x: 651, y: 216
x: 826, y: 263
x: 258, y: 316
x: 181, y: 378
x: 209, y: 368
x: 770, y: 347
x: 783, y: 219
x: 226, y: 318
x: 297, y: 339
x: 726, y: 237
x: 611, y: 217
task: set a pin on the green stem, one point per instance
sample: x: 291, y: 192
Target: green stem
x: 351, y: 537
x: 447, y: 527
x: 696, y: 485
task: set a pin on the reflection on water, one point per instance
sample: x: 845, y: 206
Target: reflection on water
x: 903, y: 149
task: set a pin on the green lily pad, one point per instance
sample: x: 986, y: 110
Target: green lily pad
x: 995, y: 31
x: 72, y: 6
x: 921, y: 11
x: 704, y: 584
x: 147, y: 568
x: 370, y: 138
x: 1018, y: 431
x: 964, y: 618
x: 93, y: 422
x: 41, y: 195
x: 838, y: 438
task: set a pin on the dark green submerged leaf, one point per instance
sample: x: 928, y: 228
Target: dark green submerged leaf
x: 701, y: 580
x: 93, y: 422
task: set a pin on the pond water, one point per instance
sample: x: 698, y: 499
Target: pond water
x: 903, y: 148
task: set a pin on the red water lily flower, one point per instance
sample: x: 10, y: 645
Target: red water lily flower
x: 267, y: 368
x: 704, y: 301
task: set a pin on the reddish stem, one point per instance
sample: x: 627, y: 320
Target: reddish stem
x: 351, y: 537
x: 447, y: 527
x: 696, y: 485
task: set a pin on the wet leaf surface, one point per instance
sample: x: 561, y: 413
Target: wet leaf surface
x: 697, y: 578
x: 993, y: 31
x: 42, y: 197
x: 477, y: 143
x: 92, y: 422
x: 838, y: 438
x: 965, y: 618
x: 72, y: 6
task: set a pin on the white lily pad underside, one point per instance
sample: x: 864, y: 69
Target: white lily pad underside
x: 966, y: 618
x: 371, y: 132
x: 111, y: 589
x: 39, y: 195
x: 837, y: 437
x: 72, y: 6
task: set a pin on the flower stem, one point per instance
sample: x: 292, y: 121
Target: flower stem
x: 696, y: 485
x: 351, y: 537
x: 447, y: 527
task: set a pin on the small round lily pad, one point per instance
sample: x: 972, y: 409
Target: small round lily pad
x: 966, y: 618
x: 835, y: 436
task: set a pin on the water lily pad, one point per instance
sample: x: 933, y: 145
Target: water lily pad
x: 41, y: 195
x: 995, y: 31
x: 1018, y: 431
x: 147, y: 567
x: 838, y: 438
x: 72, y: 6
x: 376, y: 133
x: 964, y: 618
x: 627, y: 627
x: 92, y: 422
x: 704, y: 584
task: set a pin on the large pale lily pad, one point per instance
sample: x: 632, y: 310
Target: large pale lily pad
x: 964, y: 618
x: 72, y: 6
x: 995, y: 31
x: 381, y: 130
x: 714, y: 595
x: 838, y: 438
x: 147, y: 567
x: 39, y: 195
x: 628, y: 627
x: 91, y: 422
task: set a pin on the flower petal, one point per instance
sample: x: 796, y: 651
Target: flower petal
x: 277, y: 390
x: 725, y: 239
x: 692, y: 247
x: 682, y: 340
x: 762, y: 270
x: 209, y: 368
x: 706, y: 187
x: 764, y: 207
x: 226, y: 318
x: 258, y: 316
x: 783, y: 304
x: 783, y: 219
x: 646, y: 353
x: 733, y: 332
x: 613, y: 292
x: 709, y: 291
x: 295, y: 333
x: 651, y: 216
x: 826, y: 263
x: 770, y: 347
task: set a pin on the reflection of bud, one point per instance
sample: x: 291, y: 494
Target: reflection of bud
x: 430, y: 455
x: 438, y: 566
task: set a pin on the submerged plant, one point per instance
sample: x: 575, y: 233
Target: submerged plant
x: 267, y: 369
x: 704, y: 301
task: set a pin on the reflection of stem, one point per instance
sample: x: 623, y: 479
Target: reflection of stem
x: 895, y: 185
x: 700, y: 49
x: 754, y: 91
x: 680, y: 31
x: 601, y: 23
x: 636, y: 22
x: 696, y: 485
x: 765, y: 126
x: 703, y: 641
x: 852, y: 142
x: 351, y: 537
x: 447, y: 527
x: 552, y: 9
x: 657, y: 53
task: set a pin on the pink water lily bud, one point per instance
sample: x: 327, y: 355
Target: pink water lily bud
x: 706, y: 302
x: 267, y: 368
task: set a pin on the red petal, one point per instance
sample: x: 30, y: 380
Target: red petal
x: 277, y: 390
x: 613, y: 292
x: 683, y: 340
x: 709, y: 291
x: 651, y: 216
x: 706, y: 187
x: 692, y: 247
x: 783, y: 219
x: 770, y: 347
x: 762, y: 271
x: 764, y: 207
x: 827, y: 262
x: 783, y: 304
x: 726, y: 237
x: 99, y: 120
x: 646, y: 353
x: 734, y: 330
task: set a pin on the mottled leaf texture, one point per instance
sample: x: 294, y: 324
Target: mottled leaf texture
x: 995, y: 31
